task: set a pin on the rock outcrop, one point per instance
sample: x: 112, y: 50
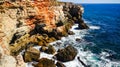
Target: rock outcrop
x: 75, y: 12
x: 66, y: 54
x: 50, y: 50
x: 24, y: 24
x: 44, y: 62
x: 31, y: 54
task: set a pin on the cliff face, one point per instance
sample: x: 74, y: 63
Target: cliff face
x: 23, y: 23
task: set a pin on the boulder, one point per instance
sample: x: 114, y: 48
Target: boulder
x: 71, y: 33
x: 31, y: 54
x: 82, y: 25
x: 51, y: 39
x: 66, y: 54
x: 50, y: 50
x: 58, y: 43
x: 59, y: 64
x: 44, y: 62
x: 43, y: 49
x: 78, y: 39
x: 43, y: 43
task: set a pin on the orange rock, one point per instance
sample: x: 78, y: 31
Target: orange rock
x: 44, y: 12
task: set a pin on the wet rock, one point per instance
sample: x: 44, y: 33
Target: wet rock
x: 43, y: 49
x: 21, y: 19
x: 78, y: 39
x: 66, y: 54
x: 82, y: 62
x: 82, y: 25
x: 50, y: 50
x: 44, y: 62
x: 59, y: 64
x: 58, y: 43
x: 31, y: 54
x: 71, y: 33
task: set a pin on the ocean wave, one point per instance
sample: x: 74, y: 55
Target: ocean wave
x: 89, y: 58
x: 86, y: 56
x: 94, y: 27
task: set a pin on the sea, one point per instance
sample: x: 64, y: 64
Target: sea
x: 99, y: 46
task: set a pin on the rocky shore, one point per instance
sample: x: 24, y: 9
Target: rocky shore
x: 27, y: 24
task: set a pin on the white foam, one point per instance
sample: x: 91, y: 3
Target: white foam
x: 44, y: 55
x: 94, y: 27
x: 86, y: 56
x: 29, y: 64
x: 74, y: 63
x: 86, y: 21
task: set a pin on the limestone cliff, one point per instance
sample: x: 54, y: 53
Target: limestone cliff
x: 38, y: 22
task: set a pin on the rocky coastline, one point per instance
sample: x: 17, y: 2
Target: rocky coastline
x: 27, y: 24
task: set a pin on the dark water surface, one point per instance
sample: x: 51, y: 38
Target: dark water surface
x: 107, y: 37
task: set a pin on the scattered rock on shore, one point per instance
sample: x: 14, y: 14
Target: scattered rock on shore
x: 66, y: 54
x: 31, y: 54
x: 44, y: 62
x: 78, y: 39
x: 43, y: 49
x: 59, y: 64
x: 50, y: 50
x: 82, y: 25
x: 38, y: 23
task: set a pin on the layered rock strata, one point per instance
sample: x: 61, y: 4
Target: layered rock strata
x: 24, y: 24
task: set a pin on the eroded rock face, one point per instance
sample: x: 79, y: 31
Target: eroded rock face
x: 20, y: 61
x: 82, y: 25
x: 39, y: 23
x: 75, y: 12
x: 44, y: 62
x: 7, y: 61
x: 66, y: 54
x: 31, y: 54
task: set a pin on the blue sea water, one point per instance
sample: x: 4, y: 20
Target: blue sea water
x: 107, y: 38
x: 99, y: 46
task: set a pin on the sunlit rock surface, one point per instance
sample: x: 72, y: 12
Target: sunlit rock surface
x: 25, y: 24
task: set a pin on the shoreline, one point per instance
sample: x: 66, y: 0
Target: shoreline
x: 37, y: 23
